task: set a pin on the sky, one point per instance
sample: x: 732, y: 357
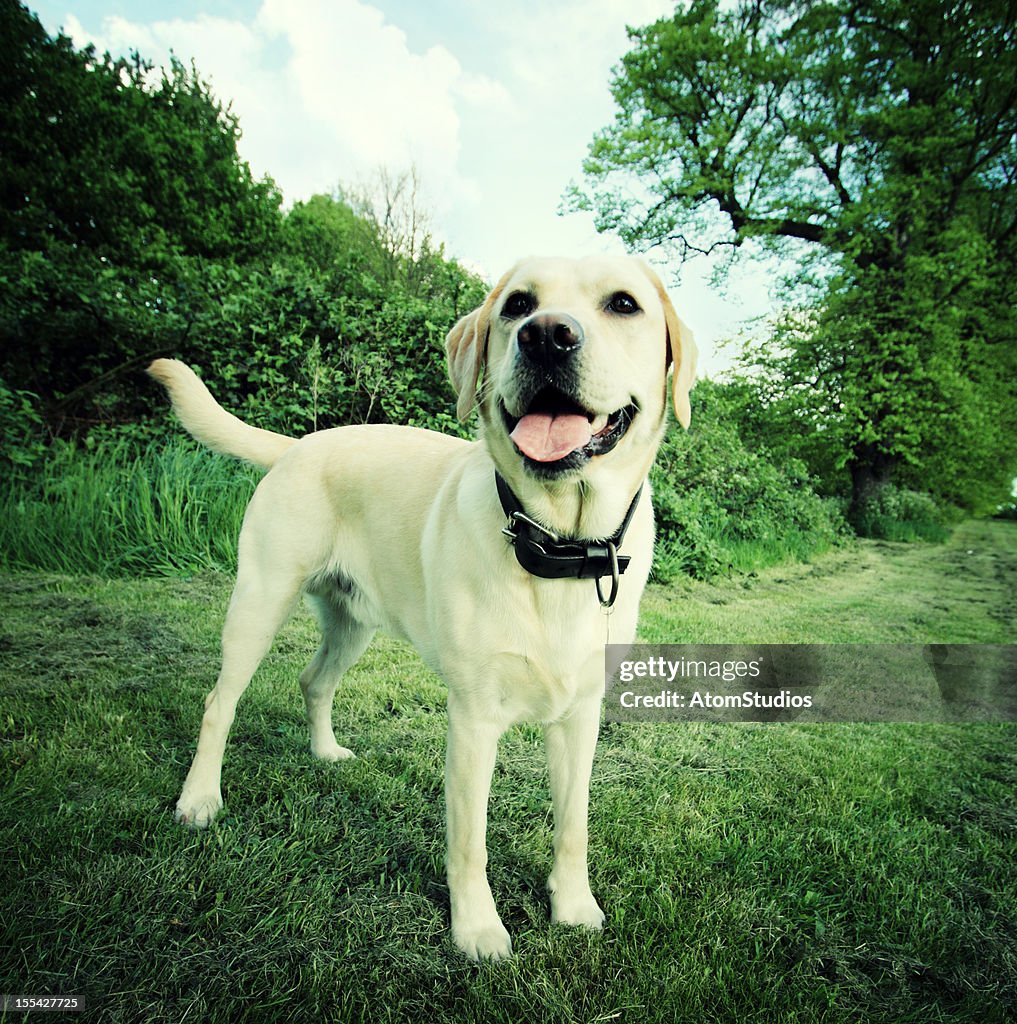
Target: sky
x: 493, y: 103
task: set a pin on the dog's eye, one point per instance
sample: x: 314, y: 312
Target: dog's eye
x: 623, y: 304
x: 518, y: 304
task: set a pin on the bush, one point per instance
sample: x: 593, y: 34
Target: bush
x: 297, y: 350
x: 22, y: 442
x: 721, y: 506
x: 688, y: 531
x: 895, y: 513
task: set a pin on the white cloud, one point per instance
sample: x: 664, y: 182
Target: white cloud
x: 371, y: 98
x: 229, y: 47
x: 349, y: 94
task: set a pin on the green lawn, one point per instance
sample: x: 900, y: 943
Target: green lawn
x: 769, y: 873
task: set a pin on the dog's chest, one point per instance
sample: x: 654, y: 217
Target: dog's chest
x: 531, y: 688
x: 530, y: 659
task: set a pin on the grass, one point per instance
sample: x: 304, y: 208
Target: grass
x: 749, y: 555
x: 117, y: 510
x: 750, y: 873
x: 874, y: 591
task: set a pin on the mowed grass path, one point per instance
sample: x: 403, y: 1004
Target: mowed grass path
x: 771, y: 873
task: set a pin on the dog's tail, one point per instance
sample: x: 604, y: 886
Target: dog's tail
x: 205, y: 419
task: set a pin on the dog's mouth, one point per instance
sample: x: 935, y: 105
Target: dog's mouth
x: 556, y: 433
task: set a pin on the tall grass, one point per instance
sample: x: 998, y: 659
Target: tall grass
x: 120, y: 507
x: 119, y: 510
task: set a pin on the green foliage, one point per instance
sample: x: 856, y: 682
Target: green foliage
x: 166, y: 179
x: 894, y: 513
x: 118, y: 189
x: 932, y: 410
x: 159, y: 242
x: 21, y: 429
x: 315, y: 340
x: 721, y: 505
x: 811, y: 122
x: 877, y: 145
x: 327, y: 236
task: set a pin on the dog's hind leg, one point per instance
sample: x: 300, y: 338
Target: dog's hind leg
x: 261, y: 603
x: 345, y: 639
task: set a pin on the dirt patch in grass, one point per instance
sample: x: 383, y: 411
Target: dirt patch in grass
x: 51, y: 635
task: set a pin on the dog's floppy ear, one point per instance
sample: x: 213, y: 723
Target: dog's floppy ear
x: 681, y: 350
x: 684, y: 355
x: 466, y: 349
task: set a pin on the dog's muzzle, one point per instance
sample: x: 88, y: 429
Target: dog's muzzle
x: 550, y: 426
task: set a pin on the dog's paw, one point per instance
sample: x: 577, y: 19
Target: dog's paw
x: 331, y: 752
x: 198, y: 811
x: 486, y: 942
x: 582, y: 911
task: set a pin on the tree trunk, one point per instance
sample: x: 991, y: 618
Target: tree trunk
x: 870, y: 473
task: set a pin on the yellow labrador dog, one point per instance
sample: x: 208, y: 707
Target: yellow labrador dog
x: 496, y: 559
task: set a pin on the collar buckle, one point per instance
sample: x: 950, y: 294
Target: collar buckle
x: 518, y: 516
x: 616, y: 570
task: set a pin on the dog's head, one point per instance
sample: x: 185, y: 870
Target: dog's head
x: 568, y: 361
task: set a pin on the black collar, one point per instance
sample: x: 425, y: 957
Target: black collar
x: 541, y: 552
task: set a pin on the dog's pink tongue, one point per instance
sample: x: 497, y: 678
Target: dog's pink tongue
x: 547, y: 438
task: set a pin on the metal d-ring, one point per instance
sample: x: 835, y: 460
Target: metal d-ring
x: 612, y: 552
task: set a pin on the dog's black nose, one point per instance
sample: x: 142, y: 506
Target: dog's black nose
x: 549, y: 338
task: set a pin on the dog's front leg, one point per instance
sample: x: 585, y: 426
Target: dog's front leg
x: 571, y: 742
x: 472, y: 748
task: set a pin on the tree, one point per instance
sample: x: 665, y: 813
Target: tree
x: 131, y: 228
x: 404, y: 252
x: 118, y: 188
x: 329, y: 236
x: 875, y: 142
